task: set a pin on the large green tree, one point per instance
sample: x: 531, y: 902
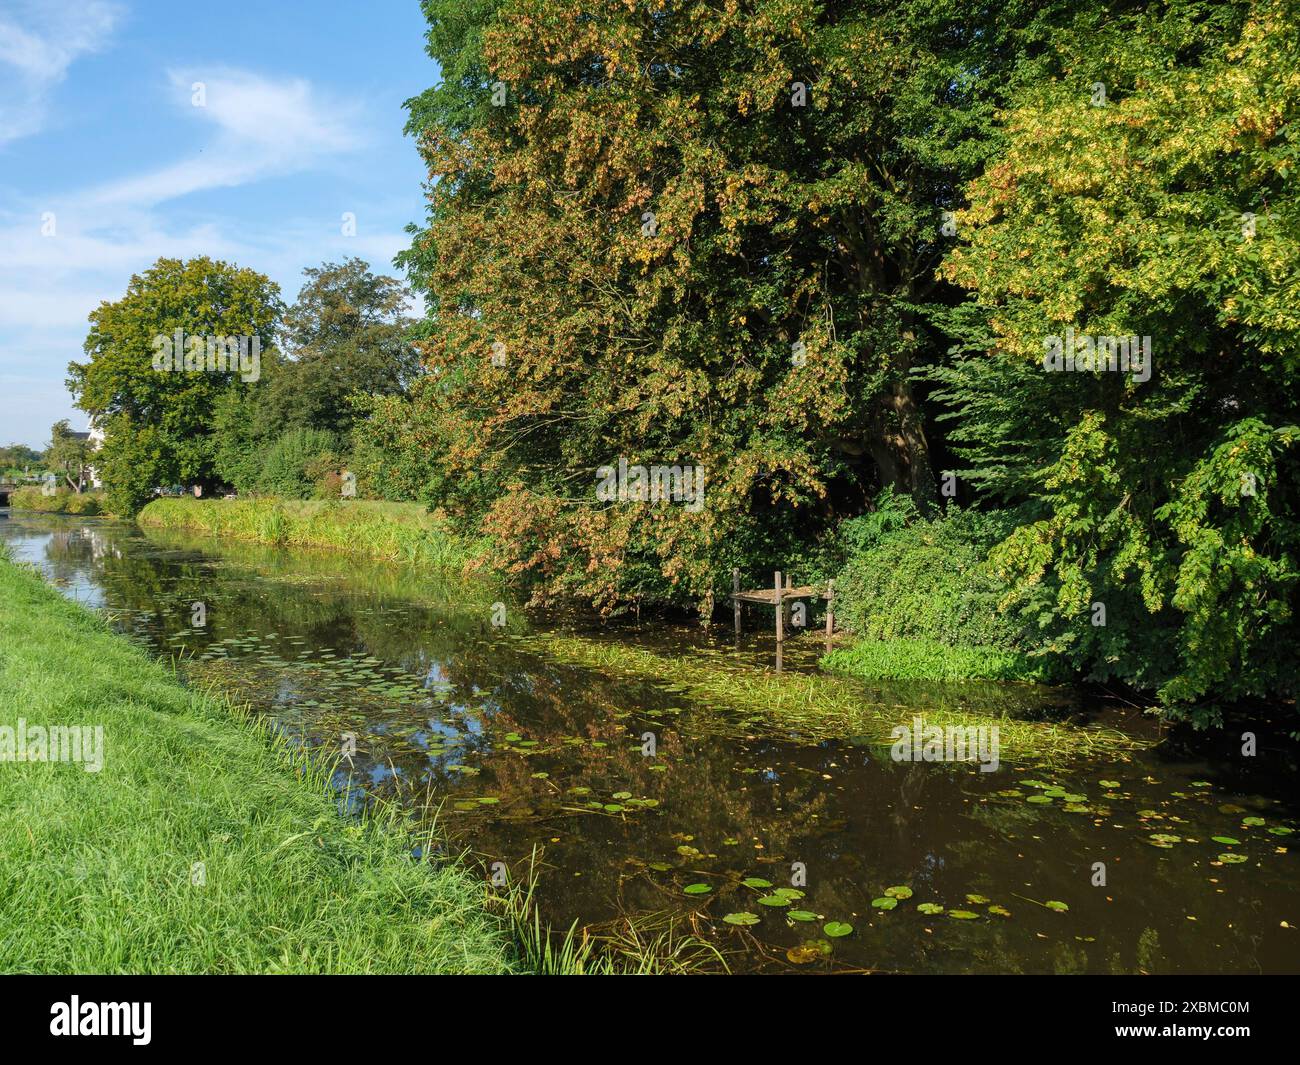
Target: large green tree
x: 1148, y: 188
x: 343, y: 344
x: 157, y: 410
x: 697, y: 234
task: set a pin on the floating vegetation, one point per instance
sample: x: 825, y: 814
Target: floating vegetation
x: 820, y: 706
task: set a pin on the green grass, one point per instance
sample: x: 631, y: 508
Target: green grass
x: 96, y: 868
x: 64, y: 501
x: 920, y: 659
x: 823, y: 707
x: 390, y: 532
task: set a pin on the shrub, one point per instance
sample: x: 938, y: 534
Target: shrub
x: 929, y: 580
x: 293, y: 464
x: 63, y: 501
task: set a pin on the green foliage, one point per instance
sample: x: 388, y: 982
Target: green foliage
x: 15, y: 458
x: 68, y: 454
x: 929, y: 581
x: 343, y: 336
x: 293, y: 467
x: 1171, y: 212
x: 64, y: 501
x: 765, y: 325
x: 916, y: 659
x: 159, y: 424
x: 391, y: 531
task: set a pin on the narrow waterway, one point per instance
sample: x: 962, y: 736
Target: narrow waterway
x: 522, y: 755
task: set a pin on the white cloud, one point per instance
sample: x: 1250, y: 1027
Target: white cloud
x: 262, y: 127
x: 38, y: 43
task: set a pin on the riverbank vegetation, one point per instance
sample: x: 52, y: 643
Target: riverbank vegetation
x: 397, y: 532
x: 1022, y: 380
x: 62, y: 501
x: 203, y: 844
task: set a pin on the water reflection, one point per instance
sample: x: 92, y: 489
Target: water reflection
x: 516, y: 751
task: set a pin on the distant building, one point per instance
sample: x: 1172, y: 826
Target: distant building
x: 96, y: 439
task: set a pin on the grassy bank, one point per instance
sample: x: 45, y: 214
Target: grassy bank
x: 821, y: 707
x: 391, y: 532
x: 101, y: 870
x: 919, y: 659
x: 61, y: 502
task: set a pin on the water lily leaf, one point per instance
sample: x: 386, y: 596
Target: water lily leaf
x: 697, y: 889
x: 1281, y: 830
x: 801, y: 915
x: 885, y: 903
x: 809, y: 951
x: 900, y: 892
x: 622, y: 795
x: 837, y: 929
x: 1226, y: 839
x: 1112, y: 784
x: 930, y: 907
x: 1053, y: 904
x: 1253, y: 822
x: 788, y: 892
x: 963, y: 915
x: 1228, y: 858
x: 1040, y: 799
x: 757, y: 881
x: 976, y: 900
x: 742, y: 919
x: 999, y: 911
x: 774, y: 900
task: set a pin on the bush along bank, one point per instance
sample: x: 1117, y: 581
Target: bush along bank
x: 923, y: 603
x: 61, y: 502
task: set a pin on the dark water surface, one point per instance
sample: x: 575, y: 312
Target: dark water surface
x: 521, y: 752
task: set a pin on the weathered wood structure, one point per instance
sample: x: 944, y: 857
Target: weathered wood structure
x: 779, y: 597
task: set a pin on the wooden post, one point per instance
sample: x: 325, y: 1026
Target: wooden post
x: 785, y: 600
x: 780, y: 629
x: 830, y: 608
x: 735, y: 591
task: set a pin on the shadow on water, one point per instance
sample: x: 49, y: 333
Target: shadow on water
x: 515, y: 751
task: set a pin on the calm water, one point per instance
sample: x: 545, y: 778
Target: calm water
x: 518, y: 752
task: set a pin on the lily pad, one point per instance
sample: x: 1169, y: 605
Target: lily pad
x: 1228, y: 858
x: 999, y: 911
x: 809, y: 951
x: 899, y: 892
x: 884, y: 903
x: 774, y: 900
x: 742, y: 919
x: 837, y: 929
x: 1228, y: 840
x: 976, y: 900
x: 756, y: 882
x: 930, y: 908
x: 1112, y: 784
x: 697, y: 889
x: 801, y: 915
x: 1053, y: 904
x: 963, y: 915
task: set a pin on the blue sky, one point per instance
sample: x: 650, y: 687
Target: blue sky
x: 106, y: 163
